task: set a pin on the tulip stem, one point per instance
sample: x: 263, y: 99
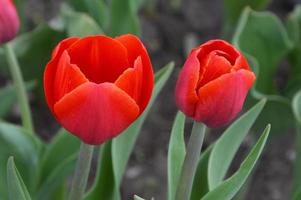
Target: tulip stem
x: 82, y: 170
x: 19, y: 85
x: 191, y: 161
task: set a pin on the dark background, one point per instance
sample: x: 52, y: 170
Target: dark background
x: 165, y: 34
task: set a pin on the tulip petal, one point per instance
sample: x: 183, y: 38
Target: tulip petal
x: 186, y: 95
x: 135, y: 48
x: 68, y: 77
x: 100, y: 58
x: 96, y: 112
x: 215, y: 66
x: 50, y: 70
x: 131, y: 81
x: 221, y: 99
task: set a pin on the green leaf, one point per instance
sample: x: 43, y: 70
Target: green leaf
x: 296, y: 105
x: 16, y: 187
x: 98, y: 9
x: 137, y: 198
x: 225, y: 148
x: 233, y: 8
x: 124, y: 18
x: 297, y: 195
x: 200, y: 183
x: 57, y: 165
x: 227, y: 189
x: 176, y: 154
x: 78, y: 24
x: 261, y: 35
x: 16, y: 141
x: 122, y: 146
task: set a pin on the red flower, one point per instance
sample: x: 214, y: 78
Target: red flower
x: 9, y: 21
x: 213, y: 83
x: 97, y: 86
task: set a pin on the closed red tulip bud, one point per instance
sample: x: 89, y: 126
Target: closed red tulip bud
x: 213, y: 83
x: 97, y: 86
x: 9, y: 21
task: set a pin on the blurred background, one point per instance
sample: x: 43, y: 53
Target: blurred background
x: 169, y: 29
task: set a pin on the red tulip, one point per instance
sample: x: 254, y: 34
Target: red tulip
x: 9, y: 21
x: 213, y: 83
x: 97, y: 86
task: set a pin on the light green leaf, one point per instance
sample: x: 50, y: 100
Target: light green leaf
x: 16, y: 187
x: 225, y: 148
x: 57, y: 165
x: 124, y: 18
x: 200, y: 183
x: 78, y: 24
x: 176, y: 154
x: 227, y: 189
x: 123, y: 145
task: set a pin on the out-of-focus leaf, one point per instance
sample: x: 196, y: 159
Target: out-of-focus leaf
x: 234, y: 8
x: 137, y: 198
x: 297, y: 195
x: 98, y: 9
x: 78, y: 24
x: 261, y: 35
x: 296, y: 105
x: 33, y: 50
x: 15, y: 141
x: 176, y: 154
x: 122, y: 146
x: 264, y: 41
x: 227, y: 189
x: 124, y: 18
x: 226, y: 147
x: 16, y: 187
x: 57, y: 163
x: 21, y: 13
x: 8, y: 98
x: 294, y: 31
x: 200, y: 183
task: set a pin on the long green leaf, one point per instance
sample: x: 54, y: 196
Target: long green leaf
x: 122, y: 146
x: 176, y: 154
x: 16, y: 187
x: 227, y: 145
x: 227, y: 189
x: 137, y: 198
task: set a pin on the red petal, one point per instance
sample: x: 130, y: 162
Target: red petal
x: 96, y: 112
x: 135, y: 48
x: 221, y: 99
x: 50, y: 70
x: 100, y: 58
x: 68, y: 77
x: 131, y: 81
x: 186, y: 95
x: 215, y: 66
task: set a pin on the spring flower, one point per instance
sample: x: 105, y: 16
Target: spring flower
x: 9, y: 21
x: 97, y: 86
x: 213, y: 83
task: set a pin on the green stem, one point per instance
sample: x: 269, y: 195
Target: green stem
x: 82, y: 170
x: 191, y: 161
x: 19, y: 86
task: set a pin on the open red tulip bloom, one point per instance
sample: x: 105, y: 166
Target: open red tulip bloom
x: 213, y: 83
x: 97, y: 86
x: 9, y: 21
